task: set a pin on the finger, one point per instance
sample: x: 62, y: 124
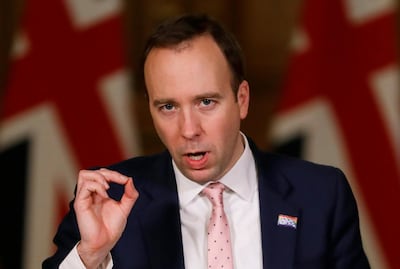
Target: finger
x: 92, y: 175
x: 113, y: 176
x: 90, y: 187
x: 129, y: 197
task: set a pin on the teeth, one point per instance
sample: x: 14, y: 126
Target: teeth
x: 196, y: 156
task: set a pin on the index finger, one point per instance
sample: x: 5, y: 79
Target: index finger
x: 113, y: 176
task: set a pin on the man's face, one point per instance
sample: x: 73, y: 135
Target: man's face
x: 194, y: 110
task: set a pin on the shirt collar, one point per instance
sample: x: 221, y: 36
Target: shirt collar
x: 241, y: 179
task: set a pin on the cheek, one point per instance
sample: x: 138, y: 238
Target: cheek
x: 223, y: 126
x: 160, y: 127
x: 167, y: 131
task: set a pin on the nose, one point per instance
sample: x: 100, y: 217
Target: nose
x: 190, y: 124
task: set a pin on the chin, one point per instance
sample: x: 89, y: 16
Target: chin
x: 198, y: 177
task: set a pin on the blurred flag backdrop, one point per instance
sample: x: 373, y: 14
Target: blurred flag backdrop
x: 340, y: 106
x: 66, y: 107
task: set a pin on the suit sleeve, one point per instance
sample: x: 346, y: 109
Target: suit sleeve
x: 66, y: 238
x: 347, y: 248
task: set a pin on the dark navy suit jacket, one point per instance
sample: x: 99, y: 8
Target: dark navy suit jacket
x: 327, y: 233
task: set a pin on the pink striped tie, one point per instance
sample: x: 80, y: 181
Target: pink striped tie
x: 219, y: 242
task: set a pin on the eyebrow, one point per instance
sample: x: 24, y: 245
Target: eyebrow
x: 205, y: 95
x: 158, y: 102
x: 208, y: 95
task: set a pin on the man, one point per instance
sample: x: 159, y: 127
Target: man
x: 150, y: 212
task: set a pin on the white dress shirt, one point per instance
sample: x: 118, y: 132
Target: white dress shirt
x: 241, y: 204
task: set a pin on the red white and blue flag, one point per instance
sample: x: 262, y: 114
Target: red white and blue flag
x: 66, y: 107
x: 340, y: 105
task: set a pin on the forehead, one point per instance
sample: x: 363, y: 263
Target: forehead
x: 203, y: 44
x: 193, y: 63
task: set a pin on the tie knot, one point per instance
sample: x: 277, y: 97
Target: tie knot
x: 214, y: 193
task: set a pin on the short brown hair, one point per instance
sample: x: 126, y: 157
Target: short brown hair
x: 176, y: 30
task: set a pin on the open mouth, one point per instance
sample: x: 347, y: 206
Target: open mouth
x: 196, y: 155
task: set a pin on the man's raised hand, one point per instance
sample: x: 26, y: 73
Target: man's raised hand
x: 101, y: 219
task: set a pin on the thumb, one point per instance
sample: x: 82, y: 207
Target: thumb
x: 129, y: 197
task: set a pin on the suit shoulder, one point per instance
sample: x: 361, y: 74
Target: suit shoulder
x: 302, y: 171
x: 298, y: 163
x: 307, y: 181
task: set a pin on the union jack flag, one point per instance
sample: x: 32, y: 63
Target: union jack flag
x: 340, y: 105
x: 66, y: 107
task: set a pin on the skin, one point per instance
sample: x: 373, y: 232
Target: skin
x: 196, y: 114
x: 101, y: 220
x: 194, y: 109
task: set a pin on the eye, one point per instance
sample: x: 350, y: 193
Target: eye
x: 167, y: 107
x: 206, y: 102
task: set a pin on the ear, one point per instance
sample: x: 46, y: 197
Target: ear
x: 243, y: 98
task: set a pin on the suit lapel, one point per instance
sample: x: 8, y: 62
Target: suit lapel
x: 161, y: 227
x: 160, y: 221
x: 278, y: 240
x: 278, y: 216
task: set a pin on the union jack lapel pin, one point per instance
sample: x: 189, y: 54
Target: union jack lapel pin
x: 287, y: 221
